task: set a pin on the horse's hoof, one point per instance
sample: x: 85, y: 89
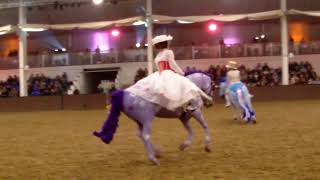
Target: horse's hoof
x: 252, y: 121
x: 157, y: 154
x: 208, y: 104
x: 155, y: 161
x: 97, y: 134
x: 183, y: 146
x: 207, y: 149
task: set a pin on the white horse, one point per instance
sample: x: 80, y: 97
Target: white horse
x: 240, y: 99
x: 143, y: 112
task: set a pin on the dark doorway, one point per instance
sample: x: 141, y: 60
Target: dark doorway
x: 93, y: 78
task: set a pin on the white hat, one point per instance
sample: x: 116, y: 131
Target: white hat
x: 161, y: 38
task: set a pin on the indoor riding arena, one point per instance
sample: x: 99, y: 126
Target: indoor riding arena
x: 63, y: 64
x: 58, y: 144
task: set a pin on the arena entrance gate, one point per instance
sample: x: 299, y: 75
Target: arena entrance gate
x: 93, y: 77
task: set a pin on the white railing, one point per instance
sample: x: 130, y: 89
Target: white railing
x: 181, y: 53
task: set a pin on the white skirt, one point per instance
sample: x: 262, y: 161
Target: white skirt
x: 167, y: 89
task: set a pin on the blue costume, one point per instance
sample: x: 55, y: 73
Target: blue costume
x: 240, y: 98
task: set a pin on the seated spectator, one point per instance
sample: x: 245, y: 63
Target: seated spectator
x: 141, y: 73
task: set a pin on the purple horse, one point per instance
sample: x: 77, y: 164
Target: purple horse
x: 143, y: 112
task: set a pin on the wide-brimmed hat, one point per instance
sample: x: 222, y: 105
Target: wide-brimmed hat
x: 232, y: 65
x: 161, y: 38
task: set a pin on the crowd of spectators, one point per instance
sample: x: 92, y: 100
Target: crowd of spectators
x: 261, y: 75
x: 41, y: 85
x: 9, y: 87
x: 38, y: 85
x: 302, y: 73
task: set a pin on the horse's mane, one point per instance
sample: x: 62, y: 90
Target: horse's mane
x: 188, y: 73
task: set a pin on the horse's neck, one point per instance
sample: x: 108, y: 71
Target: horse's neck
x: 197, y: 79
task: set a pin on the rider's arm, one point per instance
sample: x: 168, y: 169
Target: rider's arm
x: 172, y: 63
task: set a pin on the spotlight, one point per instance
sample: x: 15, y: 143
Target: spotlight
x: 97, y: 2
x: 212, y: 27
x: 138, y: 45
x: 115, y: 33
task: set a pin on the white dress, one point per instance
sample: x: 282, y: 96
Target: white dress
x: 167, y: 87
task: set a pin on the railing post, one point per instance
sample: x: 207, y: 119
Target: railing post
x: 22, y: 51
x: 284, y: 44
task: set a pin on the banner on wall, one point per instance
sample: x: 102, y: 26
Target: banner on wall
x: 306, y: 13
x: 158, y: 19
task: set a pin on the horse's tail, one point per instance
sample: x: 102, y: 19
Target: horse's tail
x: 110, y: 126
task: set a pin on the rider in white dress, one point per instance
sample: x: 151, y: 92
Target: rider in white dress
x: 167, y: 87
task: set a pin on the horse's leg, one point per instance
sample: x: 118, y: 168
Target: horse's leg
x: 142, y: 112
x: 146, y: 130
x: 236, y: 108
x: 245, y: 104
x: 247, y: 99
x: 186, y: 123
x: 237, y: 112
x: 197, y: 114
x: 154, y: 148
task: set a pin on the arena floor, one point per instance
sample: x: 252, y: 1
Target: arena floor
x: 59, y: 145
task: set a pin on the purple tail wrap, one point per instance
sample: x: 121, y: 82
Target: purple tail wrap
x: 110, y: 126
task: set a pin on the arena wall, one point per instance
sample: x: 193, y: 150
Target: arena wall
x: 99, y: 101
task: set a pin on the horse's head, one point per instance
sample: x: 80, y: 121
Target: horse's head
x: 202, y: 80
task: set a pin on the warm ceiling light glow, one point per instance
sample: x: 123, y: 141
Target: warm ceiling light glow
x: 97, y: 2
x: 299, y: 31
